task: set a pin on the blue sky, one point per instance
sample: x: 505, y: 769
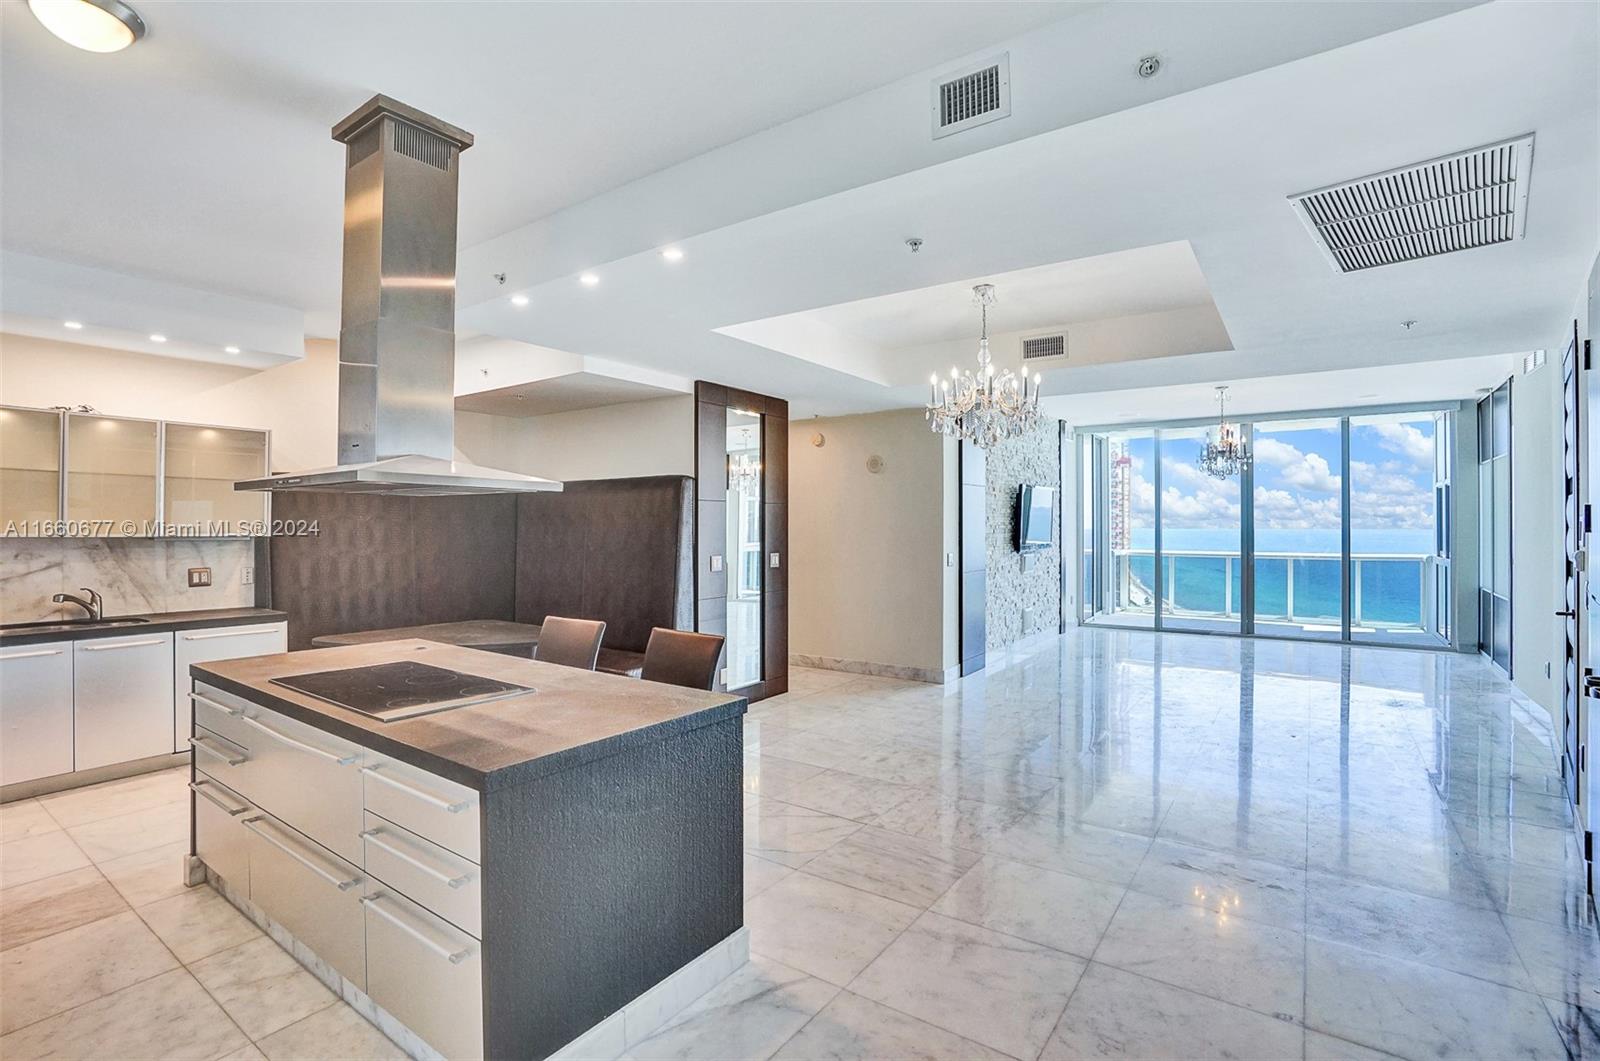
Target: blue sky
x: 1297, y: 483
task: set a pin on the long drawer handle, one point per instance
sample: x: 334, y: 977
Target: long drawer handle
x: 31, y: 655
x: 199, y: 744
x: 225, y: 633
x: 342, y: 885
x: 199, y: 789
x: 373, y: 836
x: 453, y: 957
x: 426, y: 797
x: 124, y: 644
x: 224, y: 708
x: 342, y: 760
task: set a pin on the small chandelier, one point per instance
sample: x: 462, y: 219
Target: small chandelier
x: 744, y: 472
x: 1225, y: 453
x: 981, y: 407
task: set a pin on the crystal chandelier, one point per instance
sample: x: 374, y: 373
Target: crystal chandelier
x: 744, y: 472
x: 1225, y: 453
x: 981, y: 407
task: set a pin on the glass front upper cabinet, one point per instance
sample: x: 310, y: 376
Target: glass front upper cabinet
x: 30, y: 469
x: 201, y: 465
x: 112, y: 474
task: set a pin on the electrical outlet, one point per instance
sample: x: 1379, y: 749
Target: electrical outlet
x: 199, y: 577
x: 247, y: 576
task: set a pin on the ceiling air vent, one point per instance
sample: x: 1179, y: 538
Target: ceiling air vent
x: 1045, y: 347
x: 1473, y: 199
x: 975, y: 95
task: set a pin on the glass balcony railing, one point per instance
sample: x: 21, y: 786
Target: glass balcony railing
x: 1391, y: 592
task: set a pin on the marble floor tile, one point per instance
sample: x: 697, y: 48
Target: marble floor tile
x: 1421, y: 1011
x: 1563, y: 961
x: 23, y: 818
x: 1578, y: 1025
x: 1417, y: 928
x: 54, y: 904
x: 759, y: 875
x: 198, y: 923
x: 1051, y: 842
x: 114, y: 799
x: 760, y: 770
x: 854, y: 1027
x: 1224, y: 881
x: 1118, y: 1014
x: 1003, y: 992
x: 839, y: 793
x: 149, y: 876
x: 749, y: 1015
x: 1058, y: 910
x: 56, y: 973
x: 790, y: 835
x: 261, y: 986
x: 169, y: 1016
x: 335, y: 1032
x: 107, y: 838
x: 1320, y: 1047
x: 929, y: 815
x: 825, y: 929
x: 893, y: 865
x: 1247, y: 963
x: 38, y: 856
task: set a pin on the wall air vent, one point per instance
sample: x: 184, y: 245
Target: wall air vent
x: 1472, y: 199
x: 975, y: 95
x: 1532, y: 362
x: 1045, y: 347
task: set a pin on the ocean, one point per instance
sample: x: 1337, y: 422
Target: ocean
x: 1391, y: 590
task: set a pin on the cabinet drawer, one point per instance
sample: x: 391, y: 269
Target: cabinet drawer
x: 427, y: 804
x: 300, y: 775
x: 207, y: 646
x: 309, y: 890
x: 35, y: 711
x: 426, y: 972
x: 421, y: 870
x: 122, y: 699
x: 219, y: 837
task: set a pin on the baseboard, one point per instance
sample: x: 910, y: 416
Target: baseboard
x: 933, y: 675
x: 43, y: 786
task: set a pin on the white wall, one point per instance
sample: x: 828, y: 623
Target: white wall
x: 654, y: 437
x: 297, y: 402
x: 1537, y: 571
x: 867, y: 581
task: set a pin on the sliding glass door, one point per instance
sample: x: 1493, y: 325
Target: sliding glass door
x: 1337, y: 531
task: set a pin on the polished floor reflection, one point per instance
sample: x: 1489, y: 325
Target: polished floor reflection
x: 1140, y: 845
x: 1119, y: 844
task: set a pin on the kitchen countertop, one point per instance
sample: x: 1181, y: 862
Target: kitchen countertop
x: 493, y: 634
x: 572, y: 716
x: 159, y: 623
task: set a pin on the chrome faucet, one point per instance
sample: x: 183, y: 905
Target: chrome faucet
x: 92, y: 605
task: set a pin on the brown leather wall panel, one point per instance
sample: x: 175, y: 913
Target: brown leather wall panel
x: 611, y: 549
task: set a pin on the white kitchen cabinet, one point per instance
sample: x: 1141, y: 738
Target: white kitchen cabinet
x: 35, y: 711
x: 122, y: 698
x: 208, y: 646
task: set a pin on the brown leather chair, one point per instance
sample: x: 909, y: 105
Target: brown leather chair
x: 678, y: 657
x: 569, y: 642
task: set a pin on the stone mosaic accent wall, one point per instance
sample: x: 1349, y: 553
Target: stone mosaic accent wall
x: 133, y: 574
x: 1034, y: 458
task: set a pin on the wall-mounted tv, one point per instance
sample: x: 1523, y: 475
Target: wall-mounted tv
x: 1036, y: 517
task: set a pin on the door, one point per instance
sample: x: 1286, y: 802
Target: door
x: 122, y: 699
x: 1572, y: 541
x: 35, y: 712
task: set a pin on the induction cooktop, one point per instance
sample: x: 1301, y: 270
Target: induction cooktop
x: 392, y: 691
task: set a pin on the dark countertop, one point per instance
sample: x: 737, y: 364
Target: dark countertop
x: 573, y: 716
x: 494, y: 634
x: 159, y: 623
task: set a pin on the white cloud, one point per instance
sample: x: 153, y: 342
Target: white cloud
x: 1405, y: 440
x: 1303, y: 471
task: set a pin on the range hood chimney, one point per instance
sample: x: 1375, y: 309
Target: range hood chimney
x: 397, y: 344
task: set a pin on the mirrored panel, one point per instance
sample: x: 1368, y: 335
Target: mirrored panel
x: 745, y: 553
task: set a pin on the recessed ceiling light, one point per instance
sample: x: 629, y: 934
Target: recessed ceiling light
x: 672, y: 254
x: 158, y: 338
x: 230, y: 349
x: 588, y: 279
x: 76, y: 326
x: 519, y: 300
x: 93, y: 25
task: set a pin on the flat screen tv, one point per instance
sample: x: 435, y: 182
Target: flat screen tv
x: 1036, y: 517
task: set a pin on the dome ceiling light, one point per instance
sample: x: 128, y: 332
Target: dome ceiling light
x: 93, y: 25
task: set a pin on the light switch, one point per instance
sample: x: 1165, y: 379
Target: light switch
x: 716, y: 562
x: 199, y: 576
x: 772, y: 561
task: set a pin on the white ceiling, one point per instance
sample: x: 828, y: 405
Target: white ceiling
x: 559, y: 394
x: 202, y: 154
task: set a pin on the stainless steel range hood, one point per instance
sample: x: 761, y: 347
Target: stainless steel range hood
x: 397, y: 343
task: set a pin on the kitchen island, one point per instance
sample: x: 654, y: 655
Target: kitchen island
x: 497, y: 878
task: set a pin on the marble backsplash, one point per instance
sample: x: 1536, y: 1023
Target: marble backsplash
x: 133, y: 574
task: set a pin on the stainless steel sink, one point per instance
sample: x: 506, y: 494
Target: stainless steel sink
x: 66, y: 624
